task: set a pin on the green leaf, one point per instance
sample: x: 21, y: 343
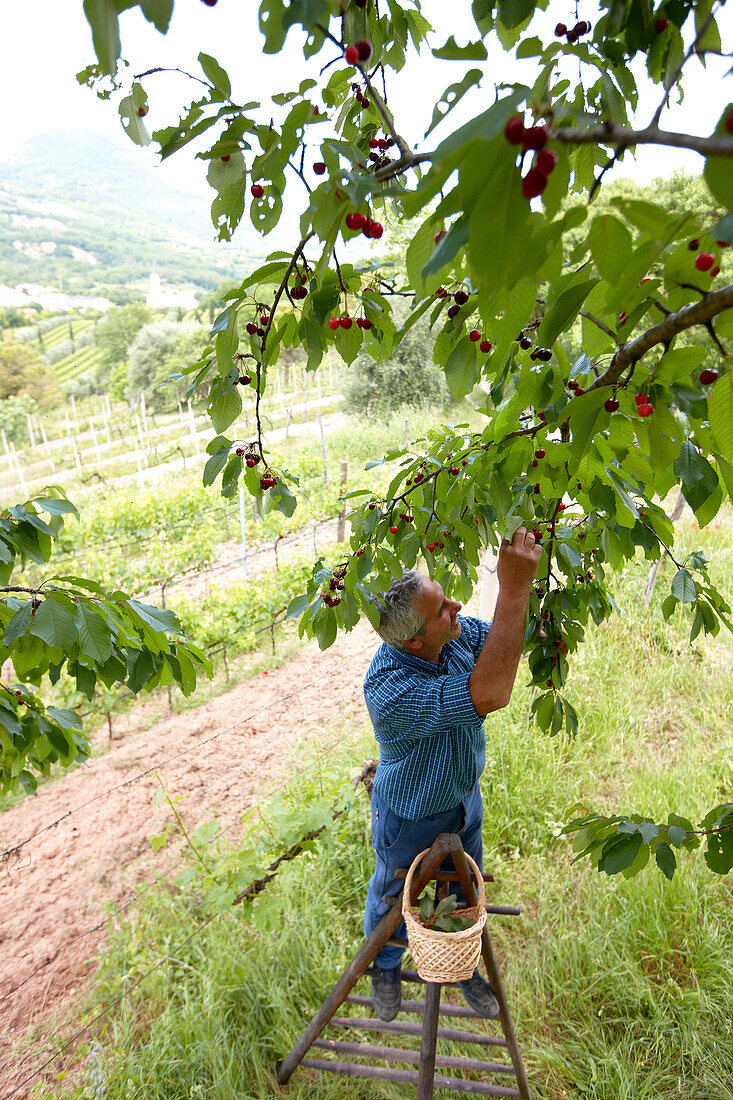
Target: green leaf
x: 102, y: 16
x: 461, y: 369
x: 215, y: 74
x: 717, y: 170
x: 225, y: 410
x: 157, y: 617
x: 452, y: 95
x: 447, y: 247
x: 610, y: 243
x: 619, y: 853
x: 55, y: 507
x: 666, y: 860
x: 719, y: 852
x: 157, y: 12
x: 563, y: 306
x: 683, y: 587
x: 720, y: 414
x: 18, y: 625
x: 95, y: 638
x: 54, y: 624
x: 451, y: 51
x: 132, y: 109
x: 514, y: 12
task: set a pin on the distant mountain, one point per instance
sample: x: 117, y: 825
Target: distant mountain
x: 77, y: 209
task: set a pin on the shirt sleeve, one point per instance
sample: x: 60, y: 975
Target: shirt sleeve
x: 475, y: 631
x: 402, y: 707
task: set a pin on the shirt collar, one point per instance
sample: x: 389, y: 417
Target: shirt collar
x: 434, y: 668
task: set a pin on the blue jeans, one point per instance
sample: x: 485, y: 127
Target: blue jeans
x: 397, y: 840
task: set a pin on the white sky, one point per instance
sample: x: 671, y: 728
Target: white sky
x: 45, y: 42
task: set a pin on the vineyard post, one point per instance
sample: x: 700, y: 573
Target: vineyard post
x: 342, y: 514
x: 144, y: 412
x: 140, y: 440
x: 287, y: 422
x: 72, y: 440
x: 29, y: 422
x: 323, y: 451
x: 194, y: 433
x: 45, y: 444
x: 94, y: 439
x: 243, y: 529
x: 19, y: 469
x: 305, y: 400
x: 106, y: 419
x: 489, y: 586
x: 407, y: 433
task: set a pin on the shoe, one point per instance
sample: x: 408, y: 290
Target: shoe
x: 480, y: 996
x: 387, y: 991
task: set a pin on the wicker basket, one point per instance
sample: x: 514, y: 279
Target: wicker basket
x: 445, y: 956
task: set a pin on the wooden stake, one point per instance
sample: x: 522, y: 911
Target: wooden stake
x: 194, y: 433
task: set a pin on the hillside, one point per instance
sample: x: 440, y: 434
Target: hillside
x: 77, y: 209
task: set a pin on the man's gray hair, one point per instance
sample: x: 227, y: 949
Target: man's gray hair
x: 398, y: 619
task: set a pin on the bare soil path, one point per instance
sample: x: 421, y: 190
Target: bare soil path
x: 53, y: 891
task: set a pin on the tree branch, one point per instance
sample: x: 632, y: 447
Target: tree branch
x: 610, y: 133
x: 699, y: 313
x: 600, y: 324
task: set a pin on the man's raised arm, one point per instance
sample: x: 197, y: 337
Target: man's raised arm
x: 492, y: 679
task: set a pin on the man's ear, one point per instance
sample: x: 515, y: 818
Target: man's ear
x: 412, y: 645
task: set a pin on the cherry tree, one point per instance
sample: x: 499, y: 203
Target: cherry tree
x: 506, y: 256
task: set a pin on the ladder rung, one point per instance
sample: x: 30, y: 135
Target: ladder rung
x: 419, y: 1006
x: 410, y: 1076
x: 407, y: 1027
x: 499, y: 910
x: 412, y: 976
x: 399, y: 1054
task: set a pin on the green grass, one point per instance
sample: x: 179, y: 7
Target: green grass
x: 620, y: 989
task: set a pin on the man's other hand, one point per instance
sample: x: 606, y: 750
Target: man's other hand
x: 518, y: 562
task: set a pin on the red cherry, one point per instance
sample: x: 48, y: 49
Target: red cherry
x: 546, y: 161
x: 461, y: 297
x: 561, y: 507
x: 560, y: 30
x: 439, y: 235
x: 354, y: 220
x: 474, y: 335
x: 251, y: 327
x: 533, y: 184
x: 372, y: 506
x: 729, y: 122
x: 715, y: 271
x: 455, y: 470
x: 641, y: 398
x: 704, y: 261
x: 536, y: 490
x: 453, y: 310
x: 540, y: 452
x: 514, y: 130
x: 351, y: 54
x: 264, y: 319
x: 226, y: 157
x: 240, y: 451
x: 245, y: 379
x: 431, y: 546
x: 142, y: 112
x: 364, y: 49
x: 376, y: 230
x: 251, y: 462
x: 611, y: 404
x: 661, y: 25
x: 366, y: 324
x: 257, y: 190
x: 579, y: 391
x: 535, y: 138
x: 393, y: 530
x: 333, y: 323
x: 535, y: 462
x: 485, y: 345
x: 319, y: 167
x: 708, y: 375
x: 694, y: 244
x: 346, y: 321
x: 441, y: 292
x: 645, y: 410
x: 418, y: 477
x: 373, y: 143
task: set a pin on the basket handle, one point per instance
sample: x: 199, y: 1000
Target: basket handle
x: 481, y: 903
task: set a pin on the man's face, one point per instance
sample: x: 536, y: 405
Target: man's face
x: 441, y: 624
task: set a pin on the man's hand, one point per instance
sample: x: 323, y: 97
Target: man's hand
x: 518, y: 562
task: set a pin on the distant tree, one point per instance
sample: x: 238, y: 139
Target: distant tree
x: 13, y: 412
x: 22, y: 370
x: 154, y: 356
x: 11, y: 318
x: 408, y: 378
x: 117, y: 331
x: 186, y: 349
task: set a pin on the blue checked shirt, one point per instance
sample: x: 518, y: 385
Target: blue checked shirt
x: 432, y: 744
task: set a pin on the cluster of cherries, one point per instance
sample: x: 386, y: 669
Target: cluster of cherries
x: 346, y: 322
x: 368, y: 226
x: 359, y: 51
x: 335, y: 584
x: 258, y: 330
x: 251, y: 457
x: 377, y: 149
x: 532, y: 137
x: 576, y: 32
x: 268, y: 481
x: 705, y: 261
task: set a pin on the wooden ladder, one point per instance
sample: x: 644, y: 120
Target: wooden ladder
x: 431, y: 1029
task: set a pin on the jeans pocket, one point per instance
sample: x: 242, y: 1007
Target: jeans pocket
x: 394, y: 828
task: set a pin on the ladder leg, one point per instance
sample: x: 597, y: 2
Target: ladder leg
x: 426, y: 1072
x: 469, y: 890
